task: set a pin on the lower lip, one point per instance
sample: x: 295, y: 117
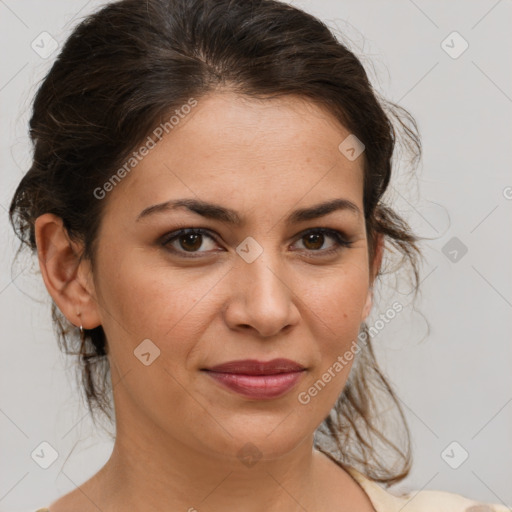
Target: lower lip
x: 260, y: 387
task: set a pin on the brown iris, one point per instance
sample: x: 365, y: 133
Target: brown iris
x: 194, y: 238
x: 314, y: 237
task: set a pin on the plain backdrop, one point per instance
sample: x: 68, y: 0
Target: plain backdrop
x: 452, y: 374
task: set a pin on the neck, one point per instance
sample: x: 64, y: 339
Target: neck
x: 148, y: 472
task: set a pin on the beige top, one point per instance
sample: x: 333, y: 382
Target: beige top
x: 420, y: 501
x: 415, y: 501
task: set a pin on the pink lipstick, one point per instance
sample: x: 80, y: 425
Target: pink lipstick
x: 258, y: 380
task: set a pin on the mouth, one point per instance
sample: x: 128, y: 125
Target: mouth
x: 258, y: 380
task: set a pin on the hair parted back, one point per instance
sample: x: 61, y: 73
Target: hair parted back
x: 123, y: 70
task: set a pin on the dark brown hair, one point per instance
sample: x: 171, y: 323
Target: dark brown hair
x: 124, y: 69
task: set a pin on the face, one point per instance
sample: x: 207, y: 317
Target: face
x: 272, y: 285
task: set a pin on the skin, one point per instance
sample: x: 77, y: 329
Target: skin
x: 178, y: 430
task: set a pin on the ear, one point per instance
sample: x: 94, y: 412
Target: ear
x: 67, y: 280
x: 375, y: 267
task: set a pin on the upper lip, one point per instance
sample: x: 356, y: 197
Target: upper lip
x: 254, y: 367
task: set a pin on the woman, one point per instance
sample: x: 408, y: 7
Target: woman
x: 205, y: 200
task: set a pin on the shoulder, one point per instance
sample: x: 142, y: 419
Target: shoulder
x: 421, y: 501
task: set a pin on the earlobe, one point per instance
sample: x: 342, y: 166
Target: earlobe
x: 379, y: 250
x: 59, y: 261
x: 368, y: 305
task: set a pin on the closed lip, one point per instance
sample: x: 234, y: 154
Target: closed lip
x: 255, y: 367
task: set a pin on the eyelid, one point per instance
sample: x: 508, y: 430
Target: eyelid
x: 181, y: 231
x: 341, y: 240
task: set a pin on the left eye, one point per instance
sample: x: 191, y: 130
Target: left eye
x: 190, y: 240
x: 317, y: 237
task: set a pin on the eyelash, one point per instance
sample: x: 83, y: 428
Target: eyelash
x: 338, y: 237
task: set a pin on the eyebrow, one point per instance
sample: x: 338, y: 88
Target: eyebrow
x: 220, y: 213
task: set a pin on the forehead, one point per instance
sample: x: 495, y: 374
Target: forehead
x: 237, y: 149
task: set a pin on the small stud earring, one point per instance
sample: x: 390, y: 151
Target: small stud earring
x: 81, y: 328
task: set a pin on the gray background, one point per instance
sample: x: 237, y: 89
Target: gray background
x: 454, y: 382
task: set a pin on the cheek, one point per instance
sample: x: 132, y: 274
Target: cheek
x: 148, y: 302
x: 337, y: 301
x: 172, y: 308
x: 335, y: 308
x: 149, y: 298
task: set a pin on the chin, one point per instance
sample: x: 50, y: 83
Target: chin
x: 259, y: 440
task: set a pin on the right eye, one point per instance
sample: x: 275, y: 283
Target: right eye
x: 188, y: 240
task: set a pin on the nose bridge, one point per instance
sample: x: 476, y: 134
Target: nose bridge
x: 261, y: 296
x: 263, y: 276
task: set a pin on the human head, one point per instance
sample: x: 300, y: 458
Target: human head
x: 144, y: 62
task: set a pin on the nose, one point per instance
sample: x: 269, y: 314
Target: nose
x: 261, y: 298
